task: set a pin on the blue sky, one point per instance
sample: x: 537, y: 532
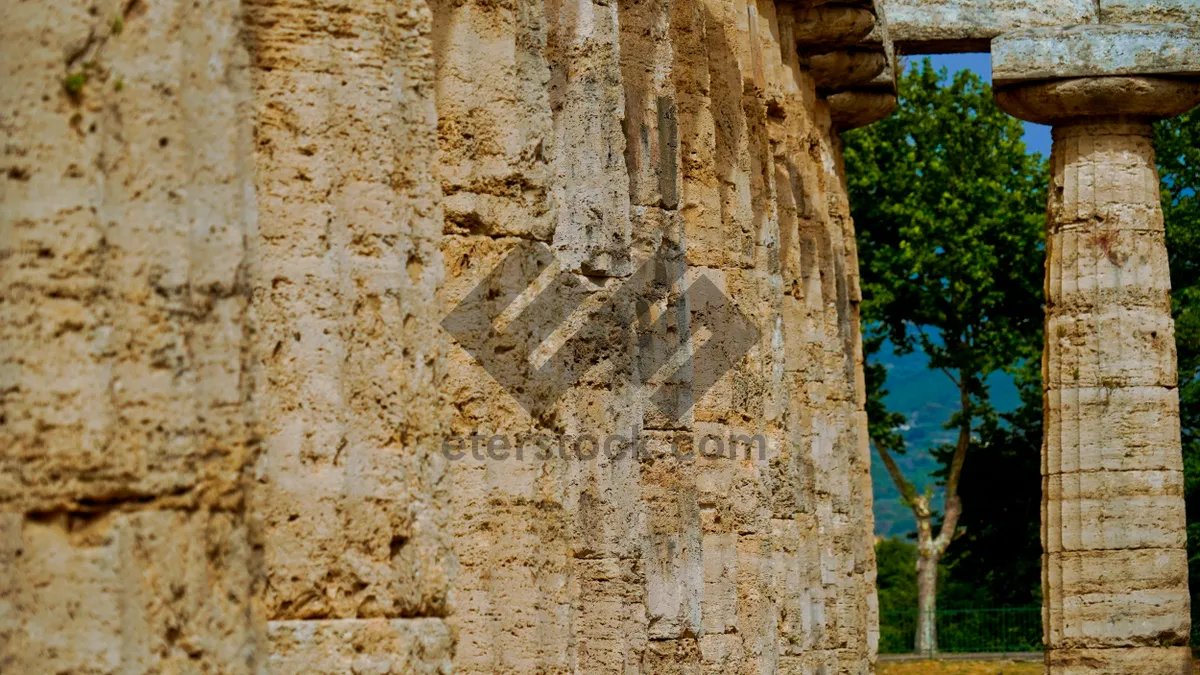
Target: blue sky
x: 1037, y: 136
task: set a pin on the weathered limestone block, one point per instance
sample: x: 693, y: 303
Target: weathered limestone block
x: 1095, y: 50
x: 1125, y: 429
x: 351, y: 491
x: 126, y: 204
x: 1142, y: 660
x: 1114, y: 510
x: 417, y: 646
x: 845, y: 69
x: 494, y: 121
x: 592, y: 232
x: 126, y: 213
x: 1150, y: 11
x: 1081, y: 97
x: 1114, y: 570
x: 607, y: 599
x: 854, y: 109
x: 121, y: 592
x: 942, y: 26
x: 1110, y: 598
x: 832, y: 25
x: 512, y: 610
x: 651, y: 120
x: 672, y: 557
x: 672, y: 657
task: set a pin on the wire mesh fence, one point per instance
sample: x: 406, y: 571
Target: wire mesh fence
x: 993, y: 630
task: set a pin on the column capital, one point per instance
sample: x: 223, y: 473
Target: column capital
x: 1055, y: 75
x: 1078, y: 99
x: 844, y: 46
x: 859, y: 108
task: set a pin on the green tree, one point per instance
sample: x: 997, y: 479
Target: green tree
x: 1177, y: 147
x: 999, y: 548
x: 897, y: 587
x: 950, y: 212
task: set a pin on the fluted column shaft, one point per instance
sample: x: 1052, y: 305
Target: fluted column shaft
x: 1114, y: 563
x: 1114, y: 572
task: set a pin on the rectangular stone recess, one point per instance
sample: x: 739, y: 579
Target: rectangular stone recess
x: 1093, y: 51
x: 947, y: 26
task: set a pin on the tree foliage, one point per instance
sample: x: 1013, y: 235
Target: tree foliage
x: 950, y: 211
x: 950, y: 214
x: 1177, y: 147
x: 999, y: 552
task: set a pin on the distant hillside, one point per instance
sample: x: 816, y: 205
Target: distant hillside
x: 927, y: 398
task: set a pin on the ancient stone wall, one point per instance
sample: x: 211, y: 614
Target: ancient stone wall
x: 609, y: 134
x: 229, y: 232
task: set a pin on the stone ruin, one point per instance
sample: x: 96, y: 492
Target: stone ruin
x: 239, y: 435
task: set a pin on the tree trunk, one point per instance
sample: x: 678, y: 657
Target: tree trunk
x: 927, y: 568
x: 930, y: 549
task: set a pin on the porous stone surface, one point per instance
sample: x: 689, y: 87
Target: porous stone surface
x: 230, y: 231
x: 1054, y: 101
x: 409, y: 646
x: 1114, y: 563
x: 854, y: 109
x: 349, y: 491
x: 1095, y: 50
x: 1150, y: 11
x: 941, y: 26
x: 126, y: 417
x: 728, y: 170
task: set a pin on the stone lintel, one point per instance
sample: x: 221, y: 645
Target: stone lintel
x: 1095, y: 51
x: 1150, y: 11
x: 949, y: 26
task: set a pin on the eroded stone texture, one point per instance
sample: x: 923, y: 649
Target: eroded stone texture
x: 126, y: 214
x: 1114, y: 568
x: 230, y: 230
x: 1115, y: 565
x: 1095, y: 50
x: 351, y: 492
x: 940, y: 26
x: 416, y: 646
x: 142, y: 591
x: 759, y: 560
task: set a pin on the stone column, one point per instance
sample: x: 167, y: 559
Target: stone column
x: 126, y: 416
x: 1114, y: 565
x: 849, y: 60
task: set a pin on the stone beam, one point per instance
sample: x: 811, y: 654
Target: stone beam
x: 1150, y: 11
x: 1096, y: 50
x: 946, y: 26
x: 943, y: 26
